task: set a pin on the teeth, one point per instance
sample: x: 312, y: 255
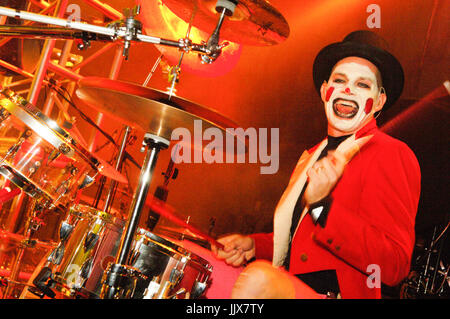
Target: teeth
x: 340, y: 106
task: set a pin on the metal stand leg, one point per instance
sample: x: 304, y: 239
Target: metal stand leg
x: 117, y: 278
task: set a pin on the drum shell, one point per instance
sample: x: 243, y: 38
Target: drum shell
x: 88, y: 225
x: 151, y: 255
x: 37, y: 159
x: 223, y: 276
x: 158, y: 258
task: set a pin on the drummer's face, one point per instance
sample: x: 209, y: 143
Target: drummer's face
x: 352, y: 95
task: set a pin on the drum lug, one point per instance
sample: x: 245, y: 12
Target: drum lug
x: 65, y: 231
x: 4, y: 114
x: 90, y: 241
x: 57, y: 254
x: 85, y: 271
x: 88, y: 181
x: 198, y: 288
x: 175, y: 276
x: 15, y: 148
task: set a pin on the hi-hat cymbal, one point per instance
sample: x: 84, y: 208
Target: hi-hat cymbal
x: 149, y: 110
x: 254, y: 22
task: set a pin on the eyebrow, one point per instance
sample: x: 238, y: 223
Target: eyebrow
x: 360, y: 78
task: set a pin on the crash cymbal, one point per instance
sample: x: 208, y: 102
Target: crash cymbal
x: 147, y: 109
x: 254, y: 22
x: 109, y: 171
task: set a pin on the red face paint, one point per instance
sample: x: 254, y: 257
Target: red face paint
x: 347, y: 90
x: 369, y: 105
x: 329, y: 92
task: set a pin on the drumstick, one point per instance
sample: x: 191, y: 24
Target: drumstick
x: 168, y: 212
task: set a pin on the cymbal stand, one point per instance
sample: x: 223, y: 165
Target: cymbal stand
x: 117, y: 275
x: 130, y: 32
x: 31, y: 226
x: 175, y: 71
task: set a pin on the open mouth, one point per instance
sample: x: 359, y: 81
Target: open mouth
x: 345, y: 108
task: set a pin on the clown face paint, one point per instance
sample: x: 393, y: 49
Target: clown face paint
x: 350, y: 95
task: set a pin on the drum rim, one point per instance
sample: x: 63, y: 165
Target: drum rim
x: 171, y: 246
x: 32, y: 115
x: 87, y: 211
x: 24, y: 183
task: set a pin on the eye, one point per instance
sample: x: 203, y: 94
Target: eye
x: 338, y: 80
x: 363, y: 85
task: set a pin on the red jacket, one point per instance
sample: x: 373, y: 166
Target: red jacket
x: 370, y: 223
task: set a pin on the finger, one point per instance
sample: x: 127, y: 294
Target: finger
x: 338, y: 161
x: 229, y: 242
x: 226, y: 255
x: 329, y: 170
x: 234, y: 259
x: 238, y: 260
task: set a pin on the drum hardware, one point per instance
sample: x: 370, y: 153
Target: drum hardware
x: 32, y: 225
x: 429, y: 276
x: 224, y: 7
x: 127, y: 33
x: 153, y: 145
x: 162, y: 191
x: 122, y: 280
x: 263, y: 24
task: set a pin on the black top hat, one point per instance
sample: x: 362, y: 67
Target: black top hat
x: 367, y: 45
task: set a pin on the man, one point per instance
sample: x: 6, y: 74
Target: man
x: 345, y: 222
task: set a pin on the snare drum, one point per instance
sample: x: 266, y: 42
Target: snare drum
x: 89, y: 242
x: 172, y: 271
x: 223, y: 276
x: 39, y: 156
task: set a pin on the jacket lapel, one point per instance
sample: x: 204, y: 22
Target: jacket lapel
x: 285, y: 207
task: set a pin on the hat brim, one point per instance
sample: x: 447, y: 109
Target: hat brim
x: 390, y: 68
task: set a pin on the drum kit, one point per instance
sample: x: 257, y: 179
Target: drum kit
x: 98, y: 254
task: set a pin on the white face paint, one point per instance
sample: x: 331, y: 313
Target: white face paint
x: 351, y: 95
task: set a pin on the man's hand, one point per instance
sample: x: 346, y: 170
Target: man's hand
x: 260, y: 280
x: 323, y: 177
x: 237, y: 249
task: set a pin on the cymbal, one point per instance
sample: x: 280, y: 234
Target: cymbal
x: 109, y: 171
x: 168, y: 212
x: 147, y: 109
x: 178, y: 231
x: 254, y: 22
